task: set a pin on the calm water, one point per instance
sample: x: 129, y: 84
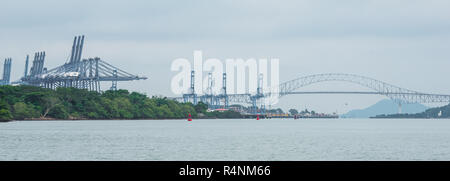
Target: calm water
x: 276, y: 139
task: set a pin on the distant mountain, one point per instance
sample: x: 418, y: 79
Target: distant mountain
x: 437, y: 112
x: 384, y: 107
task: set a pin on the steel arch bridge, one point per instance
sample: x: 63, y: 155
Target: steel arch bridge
x: 397, y: 94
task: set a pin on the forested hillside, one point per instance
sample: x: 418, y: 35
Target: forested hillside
x: 28, y: 102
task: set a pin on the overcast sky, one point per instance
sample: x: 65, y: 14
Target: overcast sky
x: 402, y: 42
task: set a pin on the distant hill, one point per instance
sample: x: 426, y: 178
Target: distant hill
x: 437, y: 112
x: 385, y: 106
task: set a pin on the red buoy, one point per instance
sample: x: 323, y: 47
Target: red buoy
x: 189, y: 117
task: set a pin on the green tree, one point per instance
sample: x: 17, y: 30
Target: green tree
x: 59, y: 112
x: 5, y: 113
x: 280, y: 111
x: 293, y: 111
x: 125, y: 107
x: 21, y: 102
x: 49, y: 103
x: 201, y: 107
x: 23, y: 111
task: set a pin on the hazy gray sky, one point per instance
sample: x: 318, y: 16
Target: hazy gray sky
x: 402, y: 42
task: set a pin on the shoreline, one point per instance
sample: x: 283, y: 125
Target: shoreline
x: 51, y: 119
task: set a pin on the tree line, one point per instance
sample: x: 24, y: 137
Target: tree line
x: 30, y: 102
x: 437, y: 112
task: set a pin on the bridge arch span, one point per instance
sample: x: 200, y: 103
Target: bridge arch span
x: 398, y: 94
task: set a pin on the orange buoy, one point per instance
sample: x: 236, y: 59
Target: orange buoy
x: 189, y: 117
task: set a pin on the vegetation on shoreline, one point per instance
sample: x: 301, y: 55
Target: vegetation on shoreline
x: 438, y: 112
x: 29, y: 102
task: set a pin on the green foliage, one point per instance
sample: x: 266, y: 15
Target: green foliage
x: 225, y: 114
x: 5, y: 114
x: 438, y: 112
x: 293, y: 111
x: 201, y: 107
x: 26, y: 102
x: 24, y: 111
x: 275, y: 111
x: 58, y: 112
